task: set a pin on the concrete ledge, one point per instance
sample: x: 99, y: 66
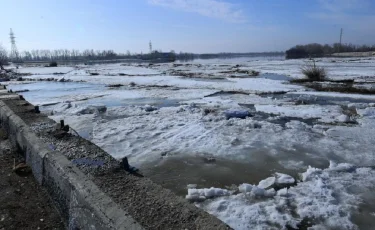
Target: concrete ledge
x: 81, y: 203
x: 94, y: 197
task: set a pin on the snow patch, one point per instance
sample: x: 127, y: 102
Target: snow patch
x: 324, y: 196
x: 367, y: 112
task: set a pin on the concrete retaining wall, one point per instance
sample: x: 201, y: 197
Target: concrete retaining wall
x: 82, y: 204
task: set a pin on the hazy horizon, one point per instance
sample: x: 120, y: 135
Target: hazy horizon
x: 198, y: 26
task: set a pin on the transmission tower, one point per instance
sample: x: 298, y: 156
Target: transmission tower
x: 340, y: 39
x: 150, y: 45
x: 14, y: 55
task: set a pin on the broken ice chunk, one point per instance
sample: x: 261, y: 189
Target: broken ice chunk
x: 244, y: 188
x: 284, y: 179
x: 282, y: 192
x: 267, y: 183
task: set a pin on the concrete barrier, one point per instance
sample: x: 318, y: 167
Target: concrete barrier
x: 91, y: 197
x: 81, y: 203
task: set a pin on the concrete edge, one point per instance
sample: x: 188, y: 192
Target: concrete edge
x: 81, y: 203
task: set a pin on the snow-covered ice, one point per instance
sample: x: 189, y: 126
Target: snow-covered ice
x: 325, y: 197
x: 285, y: 146
x: 45, y: 70
x: 325, y: 113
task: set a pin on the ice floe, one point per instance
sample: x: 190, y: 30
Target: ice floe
x: 324, y: 198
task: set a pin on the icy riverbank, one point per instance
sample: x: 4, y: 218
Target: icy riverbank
x: 172, y: 121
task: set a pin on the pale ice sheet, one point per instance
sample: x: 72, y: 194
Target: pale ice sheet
x: 325, y: 113
x: 188, y: 129
x: 250, y: 85
x: 339, y: 95
x: 116, y: 69
x: 327, y: 198
x: 337, y: 68
x: 45, y: 70
x: 44, y: 93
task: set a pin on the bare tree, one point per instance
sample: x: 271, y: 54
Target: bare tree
x: 26, y: 55
x: 3, y: 57
x: 35, y: 55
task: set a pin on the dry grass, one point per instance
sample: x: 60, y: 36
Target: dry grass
x: 345, y: 88
x: 313, y: 72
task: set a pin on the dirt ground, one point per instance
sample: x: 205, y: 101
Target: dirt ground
x: 23, y: 203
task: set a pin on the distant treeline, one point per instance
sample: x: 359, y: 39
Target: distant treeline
x: 233, y: 55
x: 74, y: 55
x: 319, y: 50
x: 97, y: 55
x: 88, y: 55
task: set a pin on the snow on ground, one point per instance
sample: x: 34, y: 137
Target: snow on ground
x: 155, y: 116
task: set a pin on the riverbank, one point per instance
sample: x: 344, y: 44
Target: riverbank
x: 104, y: 193
x: 24, y: 204
x: 214, y: 123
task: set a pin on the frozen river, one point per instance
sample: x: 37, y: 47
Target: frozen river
x: 173, y: 122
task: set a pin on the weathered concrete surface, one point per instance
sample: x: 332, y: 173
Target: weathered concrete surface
x: 79, y: 200
x: 128, y: 201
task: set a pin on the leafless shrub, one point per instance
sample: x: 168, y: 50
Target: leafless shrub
x: 313, y: 72
x: 3, y: 57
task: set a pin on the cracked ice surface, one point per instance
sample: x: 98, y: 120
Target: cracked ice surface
x: 159, y: 116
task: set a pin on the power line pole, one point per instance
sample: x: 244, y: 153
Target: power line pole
x: 14, y: 55
x: 150, y: 45
x: 340, y: 39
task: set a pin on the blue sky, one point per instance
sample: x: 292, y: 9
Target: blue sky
x: 185, y: 25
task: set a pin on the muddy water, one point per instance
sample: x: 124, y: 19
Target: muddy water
x: 364, y: 218
x: 176, y: 172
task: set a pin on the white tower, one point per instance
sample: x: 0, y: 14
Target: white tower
x: 14, y: 55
